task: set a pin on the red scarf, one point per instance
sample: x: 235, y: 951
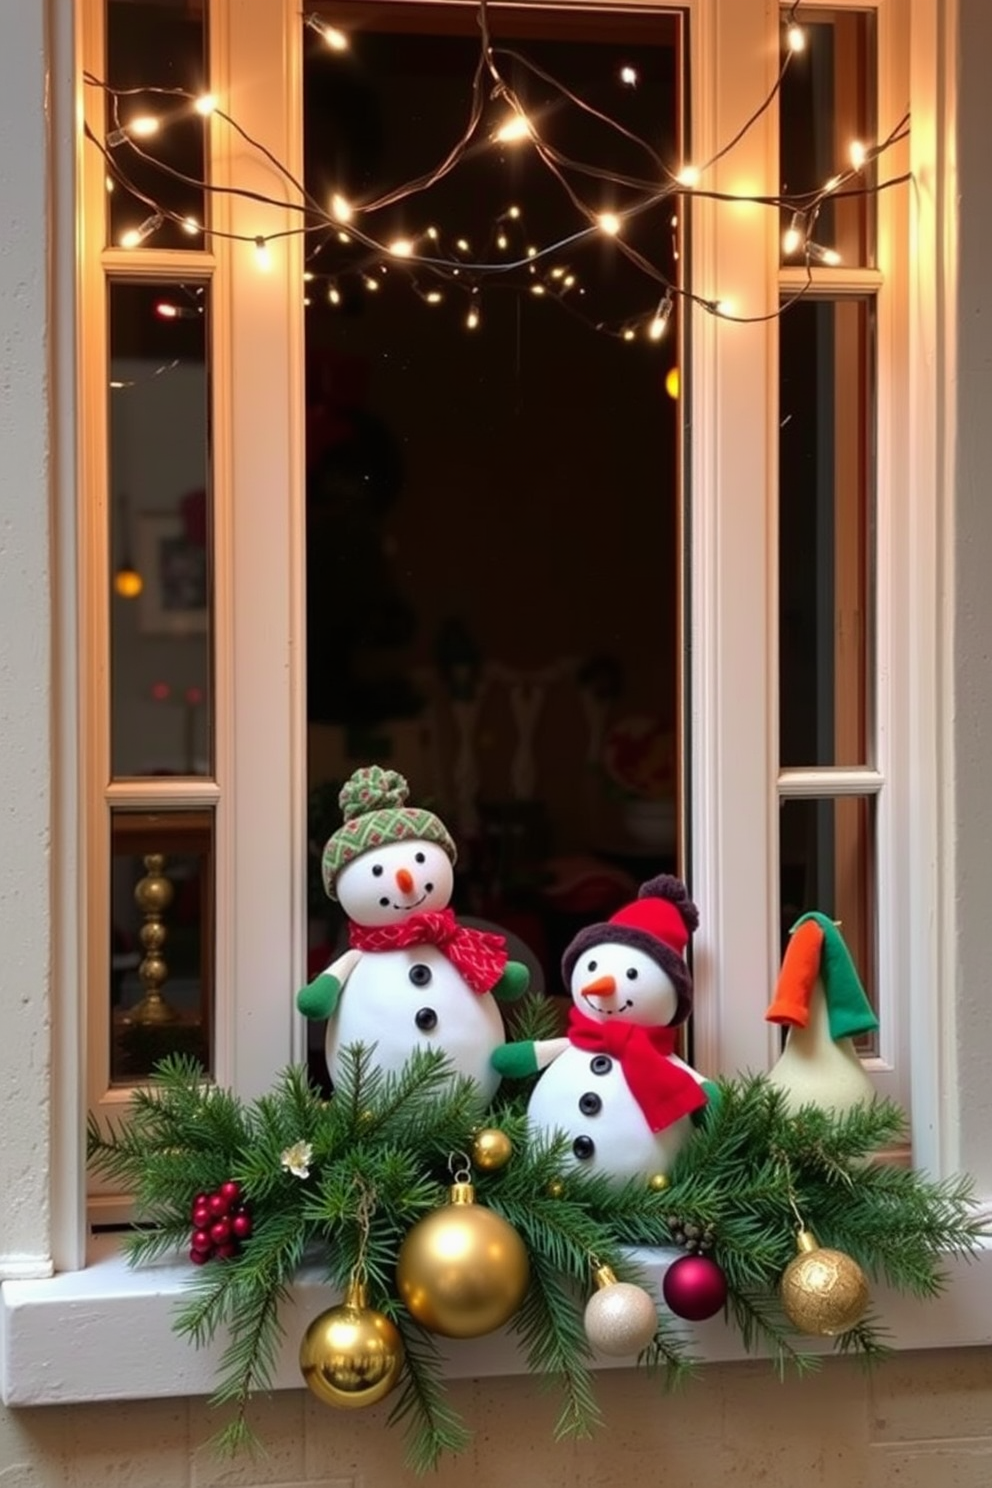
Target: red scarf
x: 478, y: 955
x: 663, y: 1090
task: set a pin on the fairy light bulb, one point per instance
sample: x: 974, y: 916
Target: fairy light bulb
x: 659, y: 324
x: 514, y: 129
x: 858, y: 154
x: 568, y: 281
x: 401, y: 248
x: 628, y: 76
x: 263, y: 255
x: 609, y: 223
x: 817, y: 253
x: 166, y: 311
x: 134, y: 236
x: 628, y: 333
x: 514, y: 212
x: 128, y: 582
x: 502, y: 241
x: 341, y: 208
x: 473, y: 318
x: 792, y: 238
x: 537, y: 289
x: 795, y: 38
x: 462, y: 245
x: 433, y: 234
x: 833, y: 183
x: 143, y: 127
x: 688, y: 176
x: 191, y: 226
x: 372, y: 285
x: 334, y: 295
x: 205, y: 105
x: 331, y: 36
x: 433, y: 297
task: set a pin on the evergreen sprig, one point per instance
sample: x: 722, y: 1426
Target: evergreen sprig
x: 381, y: 1153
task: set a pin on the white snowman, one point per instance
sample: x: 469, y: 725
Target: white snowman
x: 615, y: 1086
x: 412, y: 976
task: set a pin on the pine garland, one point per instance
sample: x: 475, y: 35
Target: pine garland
x: 378, y: 1160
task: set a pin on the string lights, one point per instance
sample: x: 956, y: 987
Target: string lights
x: 347, y: 229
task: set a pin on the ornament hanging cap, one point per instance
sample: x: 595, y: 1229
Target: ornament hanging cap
x: 373, y: 804
x: 817, y: 952
x: 658, y: 922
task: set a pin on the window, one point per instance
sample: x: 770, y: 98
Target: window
x: 250, y: 803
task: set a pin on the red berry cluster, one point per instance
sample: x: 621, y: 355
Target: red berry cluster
x: 220, y: 1223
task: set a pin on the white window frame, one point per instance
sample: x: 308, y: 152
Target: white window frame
x: 119, y: 1317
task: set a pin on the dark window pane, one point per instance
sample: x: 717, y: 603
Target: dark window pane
x: 492, y: 510
x: 160, y: 530
x: 826, y: 456
x: 161, y: 930
x: 156, y: 45
x: 827, y: 864
x: 827, y: 104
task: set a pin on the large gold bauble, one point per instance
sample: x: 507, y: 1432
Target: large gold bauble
x: 491, y: 1149
x: 823, y: 1291
x: 351, y: 1355
x: 462, y: 1271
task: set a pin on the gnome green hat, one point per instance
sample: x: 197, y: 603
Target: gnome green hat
x: 817, y: 952
x: 373, y: 804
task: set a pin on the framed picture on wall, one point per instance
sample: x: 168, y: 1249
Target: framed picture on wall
x: 173, y: 566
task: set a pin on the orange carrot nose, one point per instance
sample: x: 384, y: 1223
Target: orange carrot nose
x: 404, y: 880
x: 601, y: 987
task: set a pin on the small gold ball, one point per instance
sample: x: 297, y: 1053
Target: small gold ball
x: 658, y: 1182
x: 491, y: 1149
x: 351, y: 1355
x: 556, y: 1188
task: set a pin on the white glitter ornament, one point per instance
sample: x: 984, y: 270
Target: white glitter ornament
x: 620, y: 1318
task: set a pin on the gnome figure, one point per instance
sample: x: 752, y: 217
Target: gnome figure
x: 821, y: 1001
x: 615, y: 1087
x: 412, y: 977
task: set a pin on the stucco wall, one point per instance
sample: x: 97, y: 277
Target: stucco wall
x: 923, y: 1421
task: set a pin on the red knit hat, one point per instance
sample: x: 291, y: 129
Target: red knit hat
x: 659, y: 922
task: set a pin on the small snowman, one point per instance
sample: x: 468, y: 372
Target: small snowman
x: 615, y: 1086
x: 412, y: 977
x: 820, y: 999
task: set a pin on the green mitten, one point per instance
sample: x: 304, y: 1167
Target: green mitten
x: 319, y: 998
x: 513, y: 983
x: 713, y: 1102
x: 515, y: 1061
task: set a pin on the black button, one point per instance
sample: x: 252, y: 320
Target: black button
x: 426, y: 1019
x: 420, y: 974
x: 590, y: 1103
x: 583, y: 1146
x: 601, y: 1064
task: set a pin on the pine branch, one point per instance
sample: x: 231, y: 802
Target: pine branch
x: 551, y: 1330
x: 433, y: 1426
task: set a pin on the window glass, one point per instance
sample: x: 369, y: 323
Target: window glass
x: 160, y: 529
x: 156, y: 54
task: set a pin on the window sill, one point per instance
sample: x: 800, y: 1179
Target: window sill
x: 105, y: 1333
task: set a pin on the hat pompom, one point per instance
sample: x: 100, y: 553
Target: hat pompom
x: 372, y: 789
x: 664, y: 886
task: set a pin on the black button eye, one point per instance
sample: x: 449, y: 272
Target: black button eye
x: 584, y: 1147
x: 419, y: 858
x: 377, y: 870
x: 590, y: 1104
x: 428, y: 888
x: 601, y: 1064
x: 425, y: 1019
x: 593, y: 965
x: 384, y: 901
x: 420, y: 974
x: 632, y: 973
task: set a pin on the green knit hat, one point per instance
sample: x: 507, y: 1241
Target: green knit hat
x: 373, y: 804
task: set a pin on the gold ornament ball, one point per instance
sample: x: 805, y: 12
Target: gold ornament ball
x: 462, y: 1271
x: 658, y: 1182
x: 351, y: 1355
x: 491, y: 1149
x: 823, y: 1291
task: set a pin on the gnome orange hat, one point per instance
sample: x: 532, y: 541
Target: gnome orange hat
x: 816, y: 951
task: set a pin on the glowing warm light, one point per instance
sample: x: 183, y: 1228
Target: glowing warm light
x: 537, y: 289
x: 135, y: 235
x: 514, y: 212
x: 337, y: 40
x: 472, y: 319
x: 688, y: 175
x: 628, y: 333
x: 263, y: 257
x: 191, y: 226
x: 109, y: 182
x: 371, y: 284
x: 792, y: 238
x: 165, y: 311
x: 502, y: 241
x: 341, y: 208
x: 532, y: 252
x: 434, y: 297
x: 833, y: 183
x: 858, y: 153
x: 513, y: 130
x: 628, y: 76
x: 659, y: 325
x: 143, y: 127
x: 334, y: 295
x: 205, y: 104
x: 401, y: 248
x: 558, y: 273
x: 796, y: 39
x: 462, y: 245
x: 432, y: 233
x: 819, y: 254
x: 609, y: 223
x: 308, y: 277
x: 673, y: 383
x: 128, y: 583
x: 344, y: 237
x: 723, y: 307
x: 568, y: 281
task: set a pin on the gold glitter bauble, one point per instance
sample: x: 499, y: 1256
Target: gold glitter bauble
x: 658, y: 1182
x: 823, y: 1291
x: 620, y: 1319
x: 462, y: 1271
x: 351, y: 1355
x: 491, y: 1149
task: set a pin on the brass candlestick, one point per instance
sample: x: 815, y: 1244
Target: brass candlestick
x: 153, y: 895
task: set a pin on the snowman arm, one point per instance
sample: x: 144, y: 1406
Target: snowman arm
x: 513, y: 983
x: 528, y: 1057
x: 319, y: 998
x: 714, y: 1100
